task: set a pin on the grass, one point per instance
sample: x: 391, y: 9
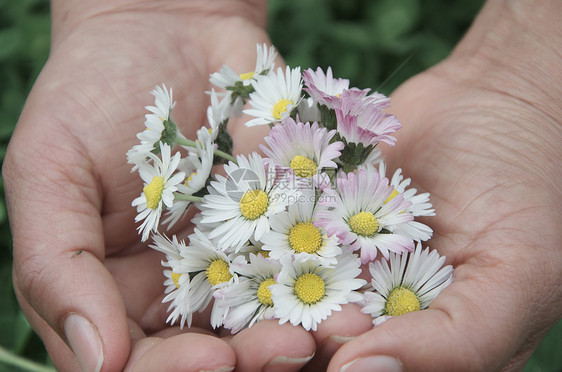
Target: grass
x: 376, y: 44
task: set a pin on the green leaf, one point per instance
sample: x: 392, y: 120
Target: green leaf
x: 22, y: 332
x: 394, y: 18
x: 10, y: 41
x: 547, y: 357
x: 224, y: 143
x: 8, y: 306
x: 328, y: 117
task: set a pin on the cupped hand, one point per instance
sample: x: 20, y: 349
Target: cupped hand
x: 88, y: 286
x: 482, y: 135
x: 474, y: 137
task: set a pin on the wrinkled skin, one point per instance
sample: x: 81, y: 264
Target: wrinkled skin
x: 481, y: 134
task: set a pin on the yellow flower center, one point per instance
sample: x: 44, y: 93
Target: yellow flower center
x: 188, y: 179
x: 280, y: 107
x: 303, y: 166
x: 247, y: 75
x: 153, y: 192
x: 176, y: 279
x: 364, y: 224
x: 392, y: 196
x: 310, y: 288
x: 305, y: 237
x: 264, y: 294
x: 217, y: 272
x: 265, y: 254
x: 253, y: 204
x: 401, y: 301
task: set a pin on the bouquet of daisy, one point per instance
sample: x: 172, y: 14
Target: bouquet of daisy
x: 284, y: 235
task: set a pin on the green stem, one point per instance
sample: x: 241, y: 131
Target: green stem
x: 185, y: 142
x: 9, y: 358
x: 189, y: 198
x: 226, y: 156
x: 189, y: 143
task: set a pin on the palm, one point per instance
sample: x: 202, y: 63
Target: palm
x: 466, y: 144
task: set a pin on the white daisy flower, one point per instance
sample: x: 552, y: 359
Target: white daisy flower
x: 410, y: 283
x: 198, y: 166
x: 275, y: 96
x: 265, y: 60
x: 163, y: 102
x: 159, y: 126
x: 249, y: 300
x: 160, y: 183
x: 227, y: 78
x: 307, y: 293
x: 305, y: 148
x: 244, y: 201
x: 361, y: 218
x: 209, y: 269
x: 218, y: 114
x: 362, y: 119
x: 294, y: 234
x: 177, y: 281
x: 323, y: 87
x: 420, y: 204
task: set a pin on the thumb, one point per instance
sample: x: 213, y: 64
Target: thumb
x: 470, y: 326
x: 58, y: 251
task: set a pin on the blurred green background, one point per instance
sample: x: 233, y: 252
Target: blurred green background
x: 374, y: 43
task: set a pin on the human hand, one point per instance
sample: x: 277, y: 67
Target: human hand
x: 122, y: 249
x: 482, y: 135
x: 81, y: 275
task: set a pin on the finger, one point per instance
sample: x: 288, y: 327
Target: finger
x: 63, y: 358
x: 268, y: 346
x: 89, y: 317
x: 138, y: 291
x: 183, y: 352
x: 58, y: 248
x: 145, y: 356
x: 174, y: 331
x: 340, y: 328
x: 457, y: 332
x: 142, y: 347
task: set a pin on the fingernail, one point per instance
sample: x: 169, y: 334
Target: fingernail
x: 281, y: 362
x: 85, y: 342
x: 379, y: 363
